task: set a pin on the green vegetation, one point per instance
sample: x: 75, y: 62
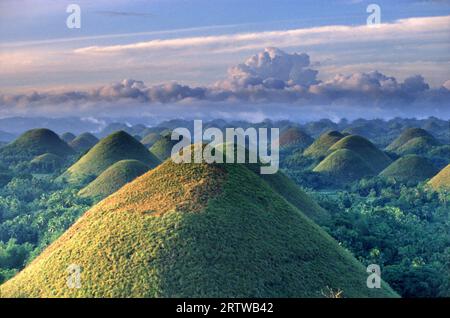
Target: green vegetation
x: 441, y: 181
x: 117, y: 146
x: 320, y: 147
x: 150, y: 139
x: 83, y: 142
x: 413, y: 141
x: 163, y: 147
x: 344, y: 165
x: 410, y: 168
x: 373, y: 157
x: 46, y: 163
x: 294, y: 136
x: 113, y: 178
x: 195, y: 230
x: 33, y: 143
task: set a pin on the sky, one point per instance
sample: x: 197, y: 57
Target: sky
x: 247, y: 58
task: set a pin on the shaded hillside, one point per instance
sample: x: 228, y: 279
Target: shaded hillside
x: 321, y: 145
x: 410, y: 168
x: 113, y: 178
x: 117, y: 146
x: 46, y: 163
x: 83, y: 142
x: 413, y: 141
x: 68, y: 137
x: 162, y: 148
x: 195, y: 230
x: 294, y: 136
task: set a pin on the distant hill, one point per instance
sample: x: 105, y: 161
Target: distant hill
x: 46, y: 163
x: 117, y: 146
x: 294, y: 136
x: 83, y: 142
x: 33, y: 143
x: 6, y: 137
x: 162, y: 148
x: 321, y: 145
x: 413, y: 141
x: 195, y: 230
x: 67, y: 137
x: 410, y: 168
x: 150, y: 139
x: 113, y: 178
x: 375, y: 158
x: 441, y: 181
x: 344, y: 165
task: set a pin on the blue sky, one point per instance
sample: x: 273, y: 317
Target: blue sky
x: 196, y: 42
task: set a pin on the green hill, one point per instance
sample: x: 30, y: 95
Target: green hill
x: 344, y: 165
x: 113, y: 178
x: 195, y: 230
x: 162, y: 148
x: 410, y: 168
x: 67, y: 137
x: 83, y: 142
x: 320, y: 146
x: 46, y: 163
x: 150, y: 139
x: 34, y: 143
x: 117, y: 146
x: 441, y: 181
x: 413, y: 141
x: 374, y: 158
x: 294, y: 136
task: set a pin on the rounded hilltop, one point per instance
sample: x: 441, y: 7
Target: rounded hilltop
x: 319, y: 148
x: 83, y: 142
x: 410, y: 168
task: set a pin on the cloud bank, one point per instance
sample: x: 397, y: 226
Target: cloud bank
x: 271, y: 77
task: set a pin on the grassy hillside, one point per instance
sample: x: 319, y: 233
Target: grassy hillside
x: 344, y: 165
x: 47, y: 162
x: 294, y: 136
x: 162, y: 148
x: 320, y: 147
x: 68, y: 137
x: 195, y: 230
x: 113, y: 178
x: 83, y: 142
x: 441, y: 181
x: 150, y: 139
x: 117, y: 146
x: 33, y: 143
x: 410, y: 168
x: 374, y: 158
x: 413, y: 141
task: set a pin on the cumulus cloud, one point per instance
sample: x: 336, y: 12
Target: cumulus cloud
x: 271, y: 76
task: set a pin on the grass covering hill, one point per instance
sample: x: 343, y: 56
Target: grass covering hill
x: 46, y: 163
x: 113, y: 178
x: 68, y: 137
x: 162, y: 148
x: 344, y: 165
x: 413, y: 141
x: 294, y: 136
x: 410, y: 168
x: 373, y: 157
x: 83, y: 142
x: 150, y: 139
x: 33, y: 143
x: 117, y: 146
x: 320, y: 146
x: 195, y: 230
x: 441, y: 181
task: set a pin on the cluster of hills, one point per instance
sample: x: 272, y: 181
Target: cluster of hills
x: 161, y: 229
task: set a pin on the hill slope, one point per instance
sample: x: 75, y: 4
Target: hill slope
x: 162, y: 148
x: 319, y: 147
x: 33, y: 143
x: 441, y: 181
x: 413, y: 141
x: 113, y: 178
x: 194, y: 230
x: 83, y: 142
x: 150, y: 139
x: 410, y: 168
x: 294, y: 136
x: 68, y: 137
x: 374, y: 158
x: 344, y: 165
x: 117, y: 146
